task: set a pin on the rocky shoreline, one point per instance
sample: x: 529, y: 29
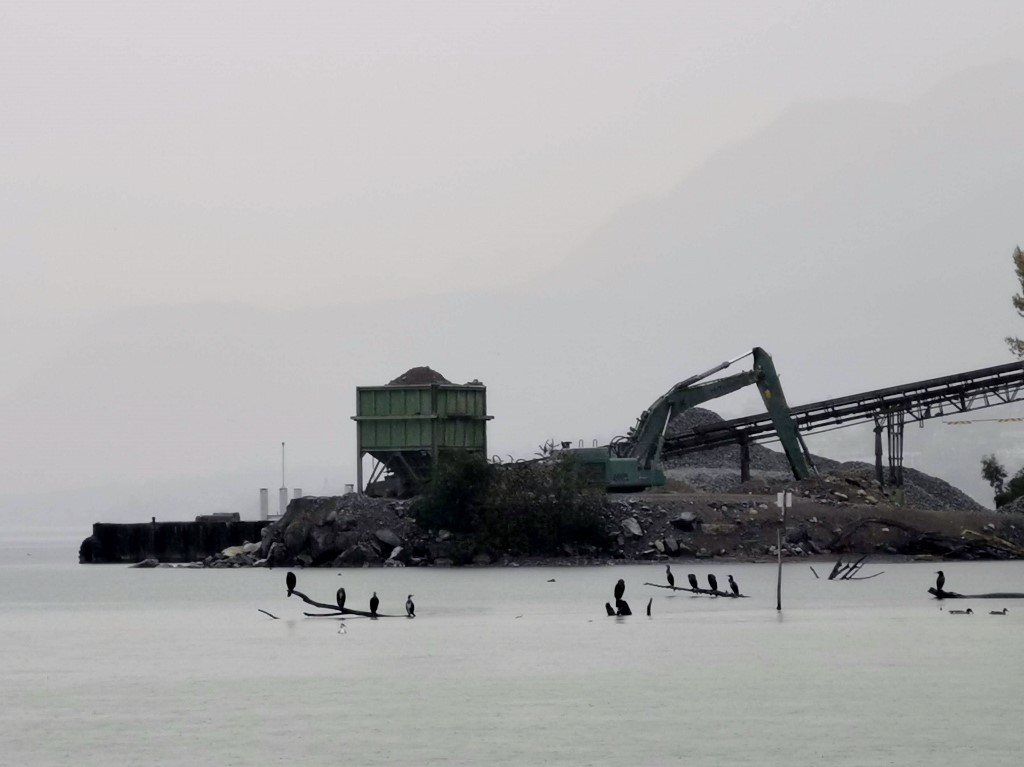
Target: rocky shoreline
x: 831, y: 516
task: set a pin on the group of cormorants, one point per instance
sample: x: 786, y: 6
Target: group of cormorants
x: 340, y: 596
x: 712, y: 581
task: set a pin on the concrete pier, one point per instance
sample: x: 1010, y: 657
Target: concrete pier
x: 165, y: 541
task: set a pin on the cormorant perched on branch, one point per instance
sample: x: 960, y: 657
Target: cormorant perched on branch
x: 940, y: 581
x: 341, y: 599
x: 289, y: 581
x: 620, y: 589
x: 374, y: 602
x: 733, y: 586
x: 410, y: 608
x: 693, y: 581
x: 713, y: 581
x: 671, y: 578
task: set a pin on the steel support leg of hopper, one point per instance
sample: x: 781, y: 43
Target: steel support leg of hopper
x: 879, y: 474
x: 744, y: 460
x: 894, y: 426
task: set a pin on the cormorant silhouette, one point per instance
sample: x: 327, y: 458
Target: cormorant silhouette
x: 289, y: 581
x: 968, y: 611
x: 997, y: 612
x: 410, y: 608
x: 693, y: 581
x: 620, y: 589
x: 671, y: 578
x: 733, y: 586
x: 341, y: 598
x: 622, y: 607
x: 374, y: 602
x: 940, y: 581
x: 713, y: 581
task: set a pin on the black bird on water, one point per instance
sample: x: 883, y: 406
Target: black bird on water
x: 733, y: 586
x: 620, y: 589
x: 671, y: 578
x: 940, y: 581
x: 341, y: 598
x: 968, y: 611
x: 289, y: 581
x: 410, y: 608
x: 713, y: 581
x: 693, y: 581
x: 374, y: 602
x: 609, y: 609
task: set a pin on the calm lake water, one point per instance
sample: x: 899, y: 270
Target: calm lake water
x: 105, y: 665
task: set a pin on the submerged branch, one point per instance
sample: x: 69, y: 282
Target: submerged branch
x: 342, y: 610
x: 709, y: 592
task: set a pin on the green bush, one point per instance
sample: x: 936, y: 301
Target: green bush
x: 522, y: 508
x: 456, y: 493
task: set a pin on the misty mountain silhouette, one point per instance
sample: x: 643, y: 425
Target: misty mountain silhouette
x: 862, y: 244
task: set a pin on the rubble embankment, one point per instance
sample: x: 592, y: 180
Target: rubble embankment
x: 358, y: 531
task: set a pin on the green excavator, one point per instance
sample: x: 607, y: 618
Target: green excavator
x: 633, y: 463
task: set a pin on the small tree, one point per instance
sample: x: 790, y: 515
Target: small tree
x: 994, y: 473
x: 1016, y: 344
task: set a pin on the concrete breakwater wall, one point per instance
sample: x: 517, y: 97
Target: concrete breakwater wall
x: 165, y: 541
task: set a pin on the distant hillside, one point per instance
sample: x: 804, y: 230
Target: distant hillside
x: 861, y: 244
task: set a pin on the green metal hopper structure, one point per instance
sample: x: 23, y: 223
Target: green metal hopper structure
x: 409, y: 424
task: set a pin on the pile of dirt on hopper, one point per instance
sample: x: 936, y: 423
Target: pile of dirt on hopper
x: 419, y: 376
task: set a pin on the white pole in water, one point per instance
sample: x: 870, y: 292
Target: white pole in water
x: 782, y: 500
x: 283, y: 483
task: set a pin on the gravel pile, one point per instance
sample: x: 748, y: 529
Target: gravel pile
x: 717, y: 471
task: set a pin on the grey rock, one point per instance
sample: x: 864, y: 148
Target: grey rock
x: 353, y: 556
x: 632, y: 527
x: 687, y: 521
x: 388, y: 538
x: 482, y: 559
x: 146, y: 563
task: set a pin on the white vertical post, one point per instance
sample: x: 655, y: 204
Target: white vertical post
x: 264, y: 503
x: 782, y: 501
x: 297, y: 492
x: 282, y: 500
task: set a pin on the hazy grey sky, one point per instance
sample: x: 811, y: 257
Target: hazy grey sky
x: 278, y: 152
x: 302, y: 156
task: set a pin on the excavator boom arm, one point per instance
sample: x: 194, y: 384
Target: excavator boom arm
x: 648, y: 436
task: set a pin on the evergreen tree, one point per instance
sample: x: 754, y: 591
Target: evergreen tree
x: 994, y: 473
x: 1016, y: 344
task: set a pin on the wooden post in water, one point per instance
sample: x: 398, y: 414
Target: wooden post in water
x: 783, y: 499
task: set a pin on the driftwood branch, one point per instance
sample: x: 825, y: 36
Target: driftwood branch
x: 341, y: 611
x: 970, y: 545
x: 847, y: 571
x: 270, y: 614
x: 953, y: 595
x: 816, y: 576
x: 709, y: 592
